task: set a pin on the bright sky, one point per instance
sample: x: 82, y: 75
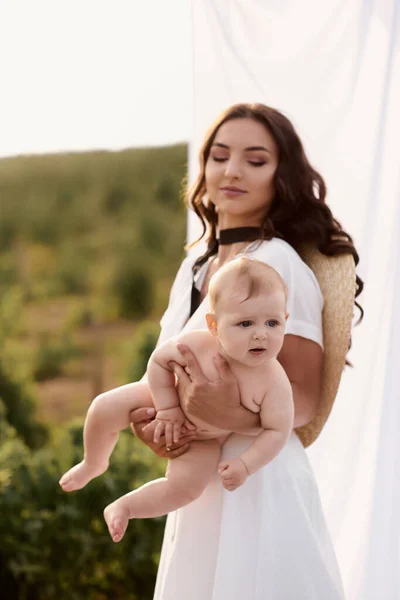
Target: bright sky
x: 82, y: 74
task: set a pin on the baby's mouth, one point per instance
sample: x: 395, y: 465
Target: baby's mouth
x: 257, y: 351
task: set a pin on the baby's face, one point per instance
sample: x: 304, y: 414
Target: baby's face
x: 251, y: 331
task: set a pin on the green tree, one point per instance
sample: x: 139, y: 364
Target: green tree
x: 133, y: 287
x: 15, y: 387
x: 140, y: 350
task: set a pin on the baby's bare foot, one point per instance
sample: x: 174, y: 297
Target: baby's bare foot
x: 77, y: 477
x: 116, y: 516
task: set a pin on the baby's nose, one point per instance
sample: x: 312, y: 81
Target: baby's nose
x: 260, y: 335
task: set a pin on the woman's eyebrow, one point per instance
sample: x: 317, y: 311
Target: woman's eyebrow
x: 250, y: 148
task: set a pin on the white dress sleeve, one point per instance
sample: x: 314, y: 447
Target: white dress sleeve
x: 305, y: 300
x: 178, y: 308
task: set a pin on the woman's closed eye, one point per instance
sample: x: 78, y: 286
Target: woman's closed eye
x: 255, y: 163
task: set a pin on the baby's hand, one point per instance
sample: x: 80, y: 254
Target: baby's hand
x: 233, y: 473
x: 170, y: 421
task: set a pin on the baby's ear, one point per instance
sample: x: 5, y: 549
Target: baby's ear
x: 286, y: 316
x: 211, y: 324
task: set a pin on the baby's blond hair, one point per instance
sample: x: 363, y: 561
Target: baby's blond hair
x: 258, y: 276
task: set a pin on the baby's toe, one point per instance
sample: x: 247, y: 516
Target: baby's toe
x: 67, y: 484
x: 117, y: 529
x: 64, y: 479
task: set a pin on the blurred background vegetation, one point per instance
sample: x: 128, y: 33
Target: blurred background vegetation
x: 89, y: 246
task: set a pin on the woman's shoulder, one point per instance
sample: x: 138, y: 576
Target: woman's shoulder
x: 276, y: 252
x: 283, y: 258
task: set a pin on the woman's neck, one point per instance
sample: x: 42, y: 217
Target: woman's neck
x: 229, y: 251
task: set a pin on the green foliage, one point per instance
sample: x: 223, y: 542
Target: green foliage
x: 56, y: 545
x: 133, y: 287
x: 115, y: 200
x: 8, y: 271
x: 11, y: 304
x: 52, y: 355
x: 15, y: 388
x: 72, y: 272
x: 20, y: 406
x: 81, y: 315
x: 152, y: 239
x: 167, y: 192
x: 140, y: 350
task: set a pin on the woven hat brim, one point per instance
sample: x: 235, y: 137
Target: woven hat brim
x: 337, y: 279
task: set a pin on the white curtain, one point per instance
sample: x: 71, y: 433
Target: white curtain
x: 333, y: 68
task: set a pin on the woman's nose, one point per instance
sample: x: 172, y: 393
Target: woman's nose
x: 232, y: 169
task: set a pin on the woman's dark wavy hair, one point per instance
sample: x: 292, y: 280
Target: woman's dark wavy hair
x: 298, y: 213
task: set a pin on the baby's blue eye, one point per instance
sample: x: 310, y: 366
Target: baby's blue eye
x: 245, y: 324
x: 272, y: 323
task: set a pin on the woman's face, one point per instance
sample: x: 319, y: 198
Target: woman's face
x: 240, y: 172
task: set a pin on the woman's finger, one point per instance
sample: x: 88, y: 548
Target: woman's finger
x: 196, y: 374
x: 176, y: 452
x: 149, y: 427
x: 223, y: 368
x: 187, y: 436
x: 141, y: 414
x: 176, y: 433
x: 179, y: 372
x: 189, y: 426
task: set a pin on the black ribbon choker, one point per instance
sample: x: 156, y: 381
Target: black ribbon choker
x: 239, y: 234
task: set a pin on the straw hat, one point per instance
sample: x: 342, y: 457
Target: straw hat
x: 337, y: 279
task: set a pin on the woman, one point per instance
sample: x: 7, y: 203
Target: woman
x: 267, y: 540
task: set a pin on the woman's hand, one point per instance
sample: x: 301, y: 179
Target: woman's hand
x: 216, y: 402
x: 143, y: 425
x: 170, y: 422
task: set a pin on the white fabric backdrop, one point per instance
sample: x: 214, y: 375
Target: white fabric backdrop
x: 333, y: 68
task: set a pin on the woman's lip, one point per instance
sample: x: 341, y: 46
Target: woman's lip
x: 231, y: 192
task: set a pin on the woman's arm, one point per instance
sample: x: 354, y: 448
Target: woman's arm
x: 302, y: 360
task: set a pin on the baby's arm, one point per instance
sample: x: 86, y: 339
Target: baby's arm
x: 276, y: 414
x: 161, y: 380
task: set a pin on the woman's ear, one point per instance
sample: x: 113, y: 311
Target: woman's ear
x: 211, y: 324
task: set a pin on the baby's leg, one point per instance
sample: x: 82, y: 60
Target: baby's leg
x: 107, y: 416
x: 185, y: 480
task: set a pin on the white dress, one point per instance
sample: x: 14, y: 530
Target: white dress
x: 267, y: 540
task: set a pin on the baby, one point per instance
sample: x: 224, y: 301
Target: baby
x: 246, y: 325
